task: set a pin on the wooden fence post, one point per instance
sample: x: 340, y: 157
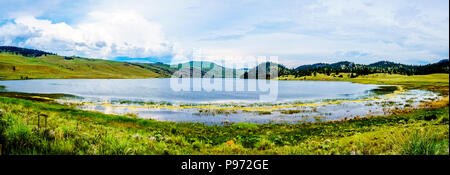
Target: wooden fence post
x: 39, y: 117
x: 45, y: 120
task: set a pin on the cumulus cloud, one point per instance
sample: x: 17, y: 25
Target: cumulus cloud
x: 101, y: 35
x: 353, y: 30
x: 299, y: 32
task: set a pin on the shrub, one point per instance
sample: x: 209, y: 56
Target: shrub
x: 249, y: 141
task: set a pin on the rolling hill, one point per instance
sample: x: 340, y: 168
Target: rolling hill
x: 22, y: 63
x: 31, y: 64
x: 205, y: 69
x: 354, y: 69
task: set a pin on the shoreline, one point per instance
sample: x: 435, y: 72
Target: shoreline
x: 214, y: 108
x: 222, y: 115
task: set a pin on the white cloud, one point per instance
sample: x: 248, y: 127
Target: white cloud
x: 406, y: 31
x: 101, y: 35
x: 400, y: 31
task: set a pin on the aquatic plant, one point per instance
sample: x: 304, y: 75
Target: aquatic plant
x: 291, y: 111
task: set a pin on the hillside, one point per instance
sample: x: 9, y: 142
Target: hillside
x: 48, y: 66
x: 269, y: 69
x: 378, y: 67
x: 354, y: 70
x: 164, y: 69
x: 23, y: 51
x: 22, y: 63
x: 206, y: 69
x: 337, y: 65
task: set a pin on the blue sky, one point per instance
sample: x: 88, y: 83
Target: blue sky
x: 298, y: 32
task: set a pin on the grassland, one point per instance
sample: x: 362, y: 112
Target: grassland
x: 13, y: 67
x: 433, y: 82
x: 72, y: 131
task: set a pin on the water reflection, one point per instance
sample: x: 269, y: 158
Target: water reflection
x: 297, y: 101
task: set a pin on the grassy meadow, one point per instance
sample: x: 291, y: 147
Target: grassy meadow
x: 16, y: 67
x: 438, y: 82
x: 67, y: 130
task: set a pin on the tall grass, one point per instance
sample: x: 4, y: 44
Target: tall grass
x: 425, y: 143
x: 73, y: 131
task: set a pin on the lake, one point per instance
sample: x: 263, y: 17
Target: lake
x: 217, y: 101
x: 158, y: 90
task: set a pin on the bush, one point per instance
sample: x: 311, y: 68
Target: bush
x: 249, y: 141
x: 265, y: 144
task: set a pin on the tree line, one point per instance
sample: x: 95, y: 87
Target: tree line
x: 334, y: 69
x: 24, y: 51
x: 355, y: 70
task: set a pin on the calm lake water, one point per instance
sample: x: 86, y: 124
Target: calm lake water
x: 129, y: 94
x: 158, y: 90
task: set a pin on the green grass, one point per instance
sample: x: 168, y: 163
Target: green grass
x: 425, y: 143
x: 73, y: 131
x: 435, y: 82
x: 14, y: 67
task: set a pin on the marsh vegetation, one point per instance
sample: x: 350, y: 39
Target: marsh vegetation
x: 71, y: 131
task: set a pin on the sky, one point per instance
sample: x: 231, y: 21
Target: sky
x: 298, y: 32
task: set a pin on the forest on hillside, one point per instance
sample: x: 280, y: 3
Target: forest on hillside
x: 353, y: 69
x: 334, y: 69
x: 24, y: 51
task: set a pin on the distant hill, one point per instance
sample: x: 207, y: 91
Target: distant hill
x: 439, y: 67
x: 163, y: 69
x: 270, y: 69
x: 206, y: 69
x: 356, y: 69
x: 192, y: 69
x: 22, y: 63
x: 378, y: 67
x: 342, y: 64
x: 312, y: 66
x: 384, y: 64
